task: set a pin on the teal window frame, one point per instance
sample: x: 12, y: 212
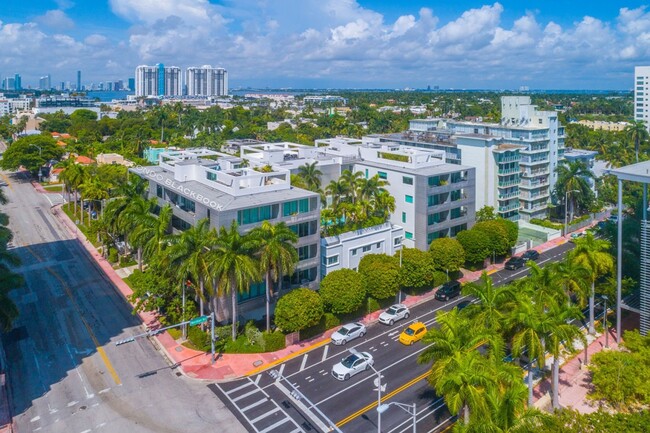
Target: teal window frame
x: 382, y: 175
x: 408, y: 198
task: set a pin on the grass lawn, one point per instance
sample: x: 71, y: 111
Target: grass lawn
x: 68, y: 208
x: 54, y: 187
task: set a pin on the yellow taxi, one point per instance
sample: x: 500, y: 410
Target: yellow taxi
x: 413, y: 333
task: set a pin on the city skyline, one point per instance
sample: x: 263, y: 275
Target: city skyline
x: 335, y: 43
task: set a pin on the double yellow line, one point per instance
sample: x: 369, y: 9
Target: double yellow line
x: 383, y: 398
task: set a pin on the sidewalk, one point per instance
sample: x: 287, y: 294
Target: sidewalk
x: 575, y: 378
x: 198, y: 364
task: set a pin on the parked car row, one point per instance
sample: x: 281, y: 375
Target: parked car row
x: 517, y: 262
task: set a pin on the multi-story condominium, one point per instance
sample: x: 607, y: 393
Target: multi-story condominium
x: 45, y: 82
x: 201, y: 183
x: 206, y: 81
x: 642, y: 95
x: 515, y: 160
x: 158, y: 80
x: 432, y: 198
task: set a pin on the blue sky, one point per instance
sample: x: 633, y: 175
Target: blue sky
x: 549, y: 44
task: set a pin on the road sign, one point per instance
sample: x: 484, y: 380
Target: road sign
x: 199, y: 320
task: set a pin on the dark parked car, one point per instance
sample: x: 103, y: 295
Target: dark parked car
x: 530, y: 255
x: 448, y: 291
x: 464, y: 304
x: 515, y: 263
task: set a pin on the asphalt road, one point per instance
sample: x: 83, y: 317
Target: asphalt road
x: 64, y: 372
x: 265, y: 404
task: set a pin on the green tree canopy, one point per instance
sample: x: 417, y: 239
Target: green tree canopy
x: 342, y: 291
x: 417, y: 269
x: 486, y: 213
x: 497, y: 234
x: 380, y: 274
x: 298, y: 309
x: 447, y: 254
x: 476, y: 243
x: 30, y: 152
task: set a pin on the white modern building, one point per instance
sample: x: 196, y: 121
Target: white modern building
x: 588, y: 157
x: 206, y: 81
x: 432, y: 198
x: 642, y: 95
x: 158, y: 80
x: 515, y: 160
x: 346, y: 250
x: 200, y: 183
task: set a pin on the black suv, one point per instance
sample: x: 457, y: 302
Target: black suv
x: 515, y: 263
x: 530, y: 255
x: 448, y: 291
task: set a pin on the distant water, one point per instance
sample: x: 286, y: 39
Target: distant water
x: 108, y: 96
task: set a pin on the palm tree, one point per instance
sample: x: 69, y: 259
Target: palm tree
x: 74, y: 176
x: 574, y: 176
x: 152, y: 232
x: 574, y: 279
x: 489, y: 311
x: 135, y: 214
x: 637, y: 131
x: 463, y: 381
x: 351, y: 180
x: 277, y: 256
x: 561, y: 333
x: 543, y: 284
x: 383, y: 205
x: 529, y: 326
x: 93, y: 189
x: 594, y: 254
x: 8, y: 309
x: 368, y: 189
x: 188, y: 255
x: 338, y: 190
x: 234, y: 266
x: 311, y: 176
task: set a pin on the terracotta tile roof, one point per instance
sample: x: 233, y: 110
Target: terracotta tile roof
x: 84, y: 160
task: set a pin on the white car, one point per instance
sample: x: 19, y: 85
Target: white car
x: 394, y: 313
x: 348, y: 332
x: 352, y: 365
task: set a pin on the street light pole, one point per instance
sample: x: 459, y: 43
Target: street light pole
x: 566, y: 210
x: 605, y: 298
x: 399, y: 292
x: 40, y: 154
x: 377, y: 383
x: 406, y: 407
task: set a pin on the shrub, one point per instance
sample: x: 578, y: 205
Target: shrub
x: 372, y: 305
x: 298, y: 309
x: 497, y: 235
x: 342, y: 291
x: 547, y: 224
x: 476, y: 245
x: 112, y: 255
x: 330, y: 321
x: 200, y: 339
x: 253, y: 334
x: 439, y: 278
x: 273, y: 341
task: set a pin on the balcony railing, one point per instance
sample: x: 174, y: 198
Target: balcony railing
x: 509, y: 195
x: 506, y: 183
x: 509, y: 207
x: 531, y: 185
x: 504, y: 171
x: 507, y: 159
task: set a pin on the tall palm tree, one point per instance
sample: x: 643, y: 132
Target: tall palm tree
x: 135, y: 214
x: 637, y: 131
x: 543, y: 284
x: 574, y: 176
x: 277, y: 255
x: 351, y: 180
x: 368, y: 189
x: 383, y: 205
x: 574, y: 278
x: 489, y: 311
x: 152, y: 232
x: 234, y: 266
x: 93, y: 189
x: 338, y: 190
x: 73, y: 177
x: 311, y: 175
x: 594, y: 254
x: 188, y: 255
x: 561, y: 333
x: 463, y: 381
x: 528, y: 325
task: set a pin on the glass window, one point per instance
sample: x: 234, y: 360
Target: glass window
x: 330, y: 261
x: 366, y: 248
x: 407, y: 180
x: 408, y: 235
x: 403, y: 217
x: 354, y: 252
x: 256, y: 290
x: 159, y: 191
x: 434, y: 181
x: 408, y: 198
x: 378, y: 245
x: 210, y: 176
x: 382, y: 175
x: 397, y: 241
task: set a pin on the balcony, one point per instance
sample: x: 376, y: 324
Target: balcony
x: 509, y: 207
x: 534, y: 161
x: 529, y: 184
x: 508, y: 195
x: 533, y: 150
x: 507, y: 183
x: 537, y: 172
x: 506, y: 159
x: 506, y: 171
x: 528, y: 196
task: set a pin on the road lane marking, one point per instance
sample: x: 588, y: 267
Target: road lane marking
x: 257, y: 379
x: 99, y: 347
x: 288, y: 357
x: 244, y: 395
x: 325, y: 353
x: 277, y: 424
x: 383, y: 398
x: 7, y: 181
x: 304, y: 361
x: 281, y: 370
x: 36, y: 418
x: 72, y: 403
x: 257, y: 403
x: 265, y: 414
x: 103, y: 391
x: 247, y: 384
